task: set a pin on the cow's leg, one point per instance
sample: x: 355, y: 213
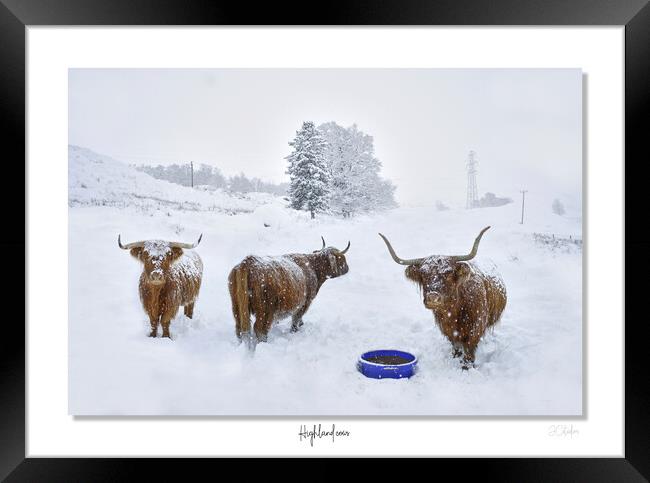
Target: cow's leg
x: 238, y: 328
x: 456, y: 345
x: 241, y: 331
x: 267, y: 326
x: 457, y: 351
x: 165, y: 328
x: 468, y: 356
x: 189, y: 310
x: 165, y: 320
x: 154, y: 321
x: 296, y: 323
x: 262, y: 327
x: 296, y: 319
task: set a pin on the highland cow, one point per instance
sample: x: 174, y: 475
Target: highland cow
x: 273, y: 288
x: 171, y: 277
x: 465, y: 300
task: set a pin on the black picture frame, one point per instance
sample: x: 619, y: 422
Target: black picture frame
x: 16, y: 15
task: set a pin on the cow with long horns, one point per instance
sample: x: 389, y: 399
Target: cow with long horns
x: 171, y: 277
x: 272, y: 288
x: 465, y: 300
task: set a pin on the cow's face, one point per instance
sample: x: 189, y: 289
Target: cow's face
x: 336, y: 263
x: 440, y: 278
x: 156, y: 256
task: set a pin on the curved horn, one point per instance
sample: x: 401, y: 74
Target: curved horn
x: 412, y: 261
x: 323, y: 242
x: 472, y: 254
x: 346, y: 249
x: 128, y: 246
x: 186, y: 245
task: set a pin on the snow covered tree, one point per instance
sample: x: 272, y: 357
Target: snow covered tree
x: 241, y: 184
x: 309, y: 187
x: 490, y: 200
x: 212, y: 176
x: 179, y: 174
x: 558, y: 207
x: 208, y: 175
x: 218, y: 180
x: 355, y: 183
x: 440, y: 206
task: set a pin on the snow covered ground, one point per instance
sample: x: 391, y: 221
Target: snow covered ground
x: 97, y: 180
x: 530, y: 365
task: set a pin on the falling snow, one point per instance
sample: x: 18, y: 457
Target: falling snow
x: 530, y: 364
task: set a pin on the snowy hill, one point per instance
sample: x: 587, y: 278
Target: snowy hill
x: 530, y: 364
x: 98, y: 180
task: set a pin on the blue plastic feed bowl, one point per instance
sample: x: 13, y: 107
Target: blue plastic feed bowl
x: 387, y: 364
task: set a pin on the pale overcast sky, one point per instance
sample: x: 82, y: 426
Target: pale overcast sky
x: 524, y: 124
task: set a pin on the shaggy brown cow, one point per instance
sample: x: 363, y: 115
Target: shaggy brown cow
x: 272, y: 288
x: 465, y: 301
x: 171, y: 278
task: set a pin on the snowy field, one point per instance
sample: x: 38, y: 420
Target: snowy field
x: 531, y: 364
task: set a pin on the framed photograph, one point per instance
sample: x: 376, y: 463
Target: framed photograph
x: 379, y: 232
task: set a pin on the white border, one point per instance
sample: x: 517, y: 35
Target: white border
x: 51, y: 51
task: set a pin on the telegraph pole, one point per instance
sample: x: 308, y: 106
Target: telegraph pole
x: 523, y: 199
x: 472, y: 191
x: 192, y: 173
